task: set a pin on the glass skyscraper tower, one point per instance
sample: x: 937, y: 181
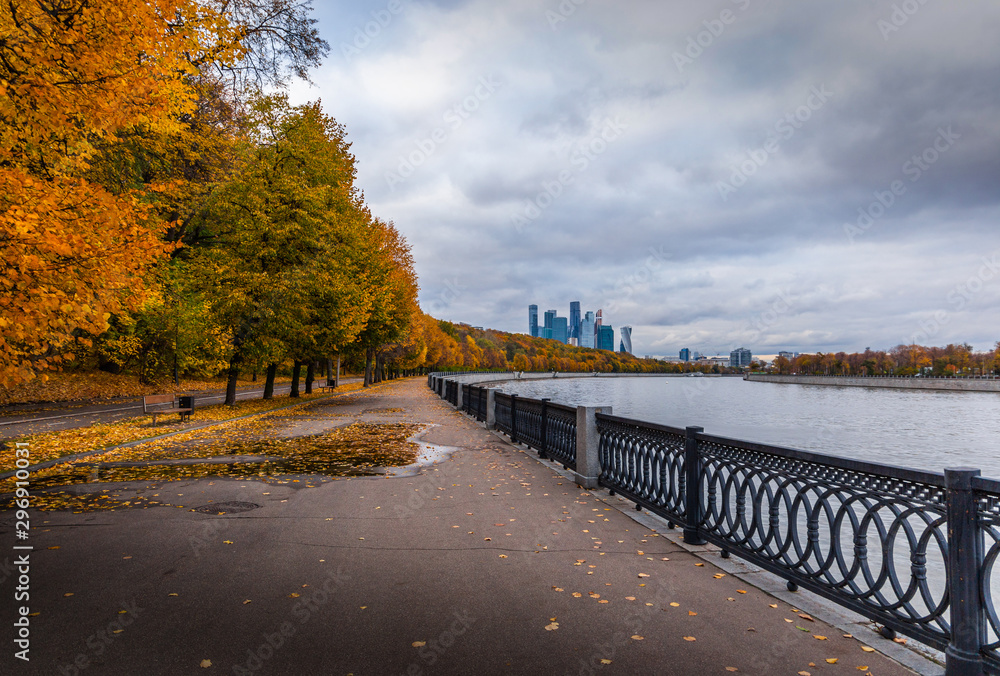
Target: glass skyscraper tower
x: 533, y: 320
x: 574, y: 320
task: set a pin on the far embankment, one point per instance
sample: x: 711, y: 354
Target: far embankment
x: 903, y: 383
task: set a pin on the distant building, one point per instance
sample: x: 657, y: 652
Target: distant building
x: 606, y: 338
x: 740, y: 357
x: 549, y: 323
x: 788, y: 355
x: 587, y: 330
x: 685, y: 354
x: 695, y: 356
x: 626, y: 339
x: 533, y: 320
x: 560, y: 329
x: 718, y: 361
x: 574, y: 319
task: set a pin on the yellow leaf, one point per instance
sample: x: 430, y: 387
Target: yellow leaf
x: 690, y: 638
x: 831, y: 660
x: 674, y: 604
x: 419, y: 644
x: 867, y: 649
x: 819, y: 638
x: 552, y: 627
x: 603, y: 661
x: 636, y: 637
x: 205, y: 664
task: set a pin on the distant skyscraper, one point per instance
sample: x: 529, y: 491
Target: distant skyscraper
x: 740, y: 357
x: 560, y: 329
x: 587, y: 330
x: 533, y: 320
x: 574, y: 319
x: 606, y: 338
x: 546, y: 330
x: 685, y: 354
x: 626, y: 339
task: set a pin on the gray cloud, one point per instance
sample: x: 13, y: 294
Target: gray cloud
x: 806, y: 221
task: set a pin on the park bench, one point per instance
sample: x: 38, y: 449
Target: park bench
x: 168, y: 403
x: 329, y: 385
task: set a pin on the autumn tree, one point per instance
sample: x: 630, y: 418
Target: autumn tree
x: 287, y: 270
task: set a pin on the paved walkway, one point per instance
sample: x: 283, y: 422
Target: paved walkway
x: 488, y: 562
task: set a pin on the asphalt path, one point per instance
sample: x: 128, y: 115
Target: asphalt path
x: 486, y: 561
x: 16, y: 421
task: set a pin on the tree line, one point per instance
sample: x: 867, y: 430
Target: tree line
x: 902, y: 360
x: 165, y: 210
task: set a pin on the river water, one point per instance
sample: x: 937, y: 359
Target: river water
x: 921, y: 429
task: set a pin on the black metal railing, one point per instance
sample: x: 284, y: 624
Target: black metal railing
x: 560, y: 434
x: 644, y: 462
x: 914, y: 551
x: 502, y: 412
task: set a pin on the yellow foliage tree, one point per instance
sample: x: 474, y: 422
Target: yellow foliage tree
x: 74, y: 75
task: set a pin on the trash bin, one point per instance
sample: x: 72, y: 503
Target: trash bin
x: 186, y: 401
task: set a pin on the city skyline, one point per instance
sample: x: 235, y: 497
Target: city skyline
x: 803, y: 178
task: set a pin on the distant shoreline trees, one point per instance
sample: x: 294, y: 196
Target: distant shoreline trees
x: 902, y: 360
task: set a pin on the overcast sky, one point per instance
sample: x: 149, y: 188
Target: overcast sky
x: 782, y: 174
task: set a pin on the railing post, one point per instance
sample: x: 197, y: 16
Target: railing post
x: 458, y: 395
x: 588, y: 445
x: 692, y: 487
x: 965, y: 552
x: 491, y: 409
x: 513, y: 418
x: 543, y: 451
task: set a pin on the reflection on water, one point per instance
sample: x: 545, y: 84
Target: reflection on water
x: 922, y: 429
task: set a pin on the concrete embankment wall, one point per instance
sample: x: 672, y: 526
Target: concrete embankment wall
x: 950, y: 384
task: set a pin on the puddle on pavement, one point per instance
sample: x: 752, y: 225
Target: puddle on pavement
x: 359, y: 450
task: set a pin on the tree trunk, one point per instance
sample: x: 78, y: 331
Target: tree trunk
x: 231, y: 377
x: 272, y: 369
x: 336, y: 378
x: 329, y: 371
x: 253, y: 379
x: 369, y: 355
x: 296, y: 371
x: 310, y: 375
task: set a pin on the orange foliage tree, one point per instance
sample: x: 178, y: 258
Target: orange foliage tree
x: 74, y: 75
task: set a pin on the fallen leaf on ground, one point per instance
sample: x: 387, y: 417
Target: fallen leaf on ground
x: 205, y: 664
x: 636, y: 637
x: 819, y: 638
x: 419, y: 644
x: 552, y: 627
x: 674, y: 604
x: 689, y: 638
x: 867, y: 649
x: 831, y: 660
x: 605, y: 661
